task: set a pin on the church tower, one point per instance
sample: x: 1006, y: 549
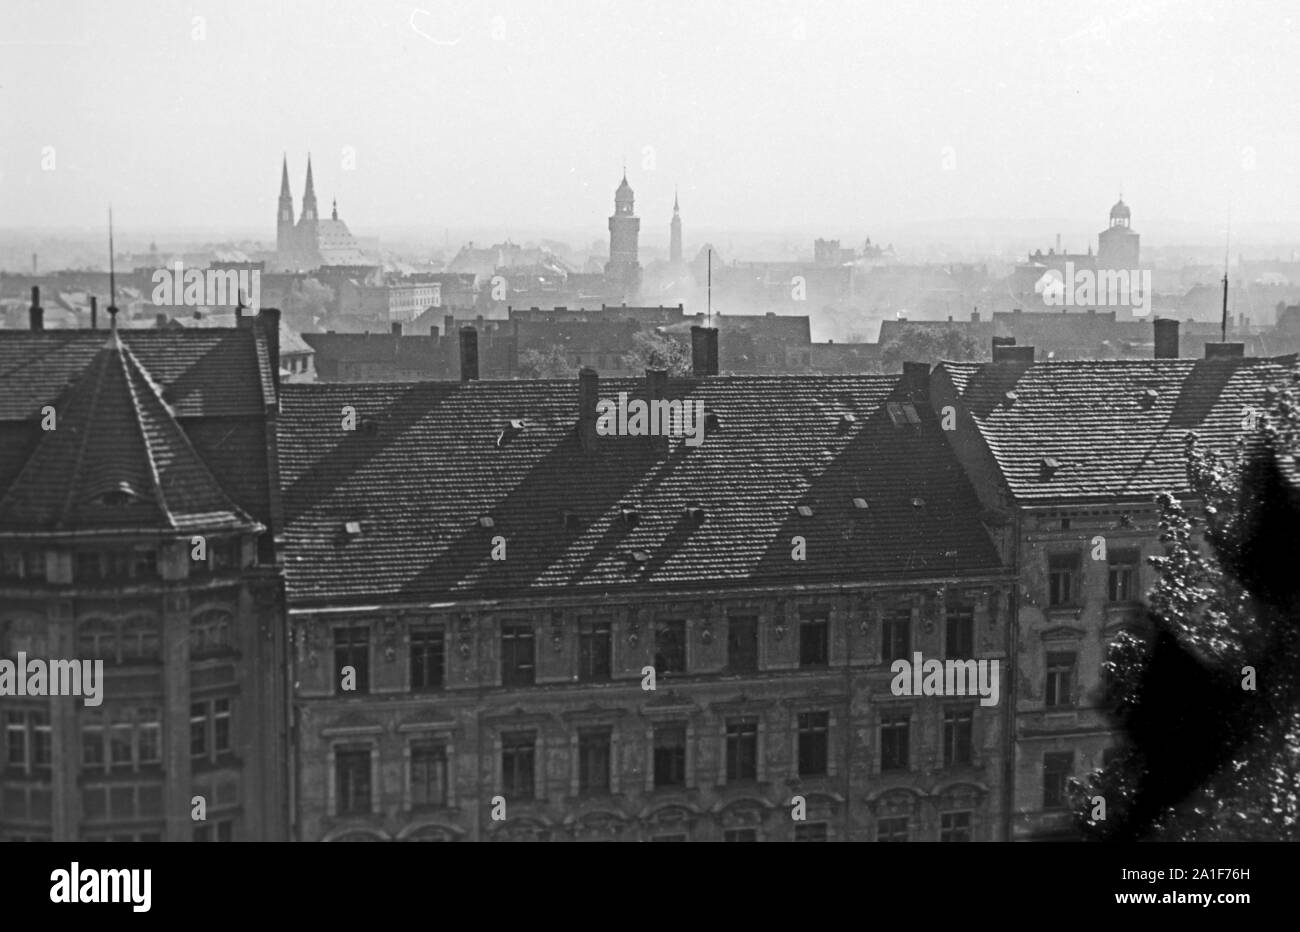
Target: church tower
x: 1118, y: 246
x: 309, y: 198
x: 624, y: 228
x: 675, y: 237
x: 284, y: 216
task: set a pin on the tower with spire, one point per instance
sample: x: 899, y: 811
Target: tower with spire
x: 675, y: 234
x: 284, y: 215
x: 309, y: 214
x: 1119, y: 245
x: 624, y: 267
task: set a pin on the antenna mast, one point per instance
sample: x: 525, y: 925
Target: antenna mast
x: 1223, y: 322
x: 112, y: 274
x: 710, y: 305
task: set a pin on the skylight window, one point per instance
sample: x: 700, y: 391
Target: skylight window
x: 805, y: 511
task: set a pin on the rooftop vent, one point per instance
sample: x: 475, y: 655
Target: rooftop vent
x: 1047, y: 467
x: 1010, y: 397
x: 571, y: 521
x: 352, y: 528
x: 918, y: 502
x: 636, y: 559
x: 369, y: 426
x: 846, y: 423
x: 631, y: 517
x: 485, y: 521
x: 1147, y: 397
x: 901, y: 413
x: 805, y: 511
x: 860, y: 504
x: 509, y: 432
x: 712, y: 422
x: 124, y: 494
x: 695, y: 513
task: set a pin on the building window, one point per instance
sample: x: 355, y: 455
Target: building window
x: 1060, y: 679
x: 594, y: 652
x: 740, y: 834
x: 742, y: 751
x: 517, y: 665
x: 670, y: 647
x: 742, y: 644
x: 814, y: 641
x: 892, y: 829
x: 814, y: 729
x: 954, y: 826
x: 1057, y: 767
x: 210, y: 634
x: 221, y: 725
x: 352, y: 781
x: 27, y: 739
x: 593, y: 761
x: 1122, y: 575
x: 210, y: 727
x: 92, y: 740
x: 217, y: 830
x: 670, y: 755
x: 149, y: 735
x: 140, y: 641
x: 427, y: 658
x: 1062, y: 584
x: 957, y: 733
x: 896, y: 636
x: 810, y: 831
x: 517, y: 752
x: 352, y: 649
x: 23, y: 564
x: 98, y: 639
x: 198, y: 729
x: 428, y: 774
x: 959, y: 632
x: 894, y: 735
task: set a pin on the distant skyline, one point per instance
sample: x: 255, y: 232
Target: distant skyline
x: 840, y: 118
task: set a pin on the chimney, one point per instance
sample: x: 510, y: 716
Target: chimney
x: 1005, y: 350
x: 588, y: 398
x: 94, y: 313
x: 37, y: 313
x: 448, y: 325
x: 1225, y: 350
x: 397, y: 328
x: 433, y: 332
x: 468, y: 354
x: 268, y: 319
x: 704, y: 351
x: 916, y: 380
x: 1166, y: 337
x: 160, y: 320
x: 975, y: 315
x: 656, y: 388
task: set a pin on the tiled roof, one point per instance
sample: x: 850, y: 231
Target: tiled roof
x: 1112, y: 429
x: 115, y: 459
x: 215, y: 383
x: 202, y: 372
x: 429, y: 460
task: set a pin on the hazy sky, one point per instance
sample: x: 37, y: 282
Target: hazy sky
x: 768, y: 115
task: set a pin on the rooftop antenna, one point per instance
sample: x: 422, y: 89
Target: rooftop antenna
x: 710, y: 304
x: 1223, y: 323
x: 112, y: 275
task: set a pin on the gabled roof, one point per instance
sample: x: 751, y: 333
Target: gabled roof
x: 1114, y: 428
x: 115, y: 459
x: 392, y: 511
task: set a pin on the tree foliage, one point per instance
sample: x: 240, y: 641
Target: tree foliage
x: 654, y: 350
x: 1208, y: 696
x: 927, y: 344
x: 546, y: 363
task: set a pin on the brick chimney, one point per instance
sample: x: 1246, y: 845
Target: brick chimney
x: 448, y: 325
x: 588, y: 398
x: 916, y: 379
x: 397, y: 328
x: 1225, y: 350
x: 268, y: 319
x: 37, y: 313
x: 1166, y: 337
x: 94, y: 313
x: 1005, y: 350
x: 704, y: 351
x: 468, y: 354
x: 656, y: 388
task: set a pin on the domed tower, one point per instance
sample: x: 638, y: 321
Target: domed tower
x: 624, y: 228
x: 675, y: 234
x: 1118, y: 244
